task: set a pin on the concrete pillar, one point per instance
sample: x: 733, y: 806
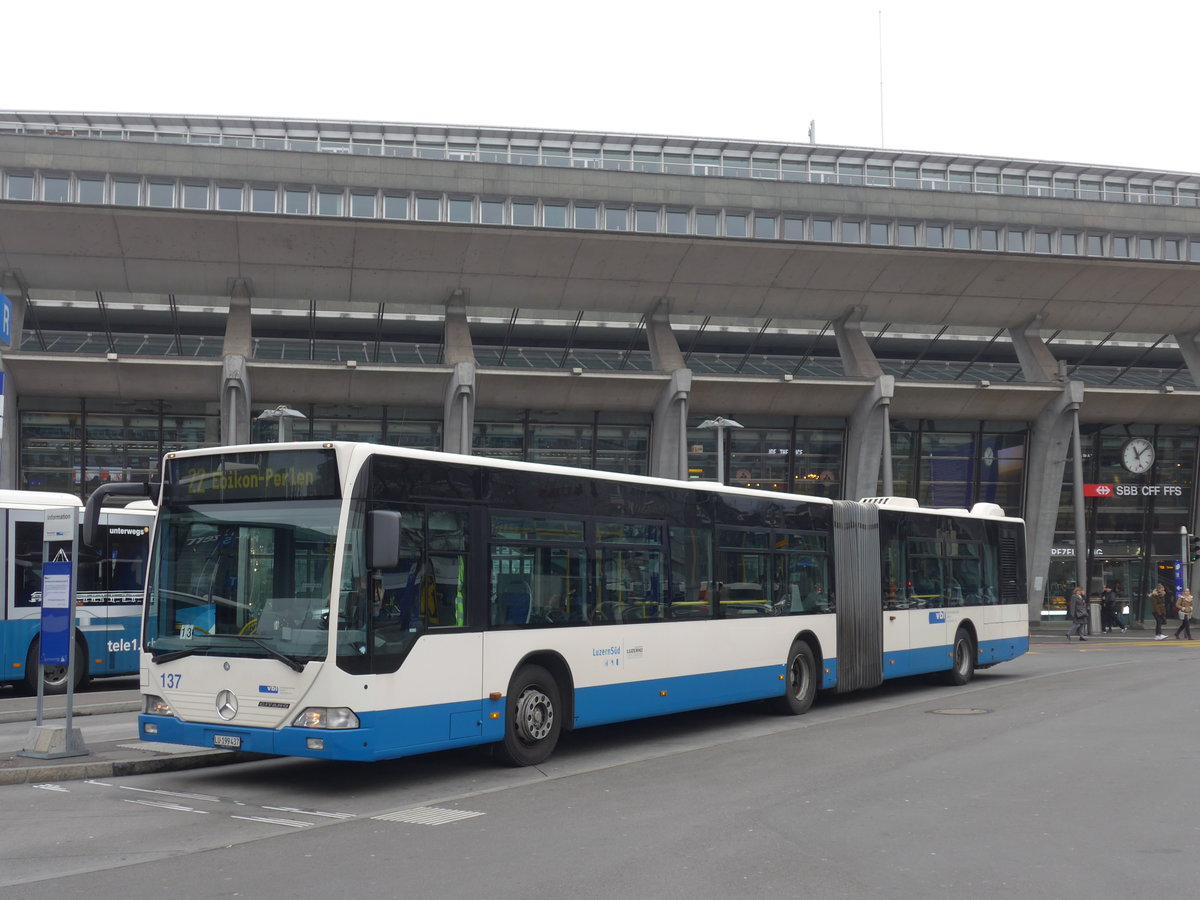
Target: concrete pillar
x: 1189, y: 346
x: 668, y: 434
x: 10, y: 450
x: 669, y: 444
x: 1049, y: 447
x: 234, y: 389
x: 238, y: 332
x: 868, y: 438
x: 1037, y: 362
x: 664, y: 349
x: 857, y: 357
x: 456, y: 333
x: 868, y: 430
x: 458, y: 409
x: 235, y: 400
x: 458, y: 405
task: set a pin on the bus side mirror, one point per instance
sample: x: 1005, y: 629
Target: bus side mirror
x: 383, y: 539
x: 91, y: 512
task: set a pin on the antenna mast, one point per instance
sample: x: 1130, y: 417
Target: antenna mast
x: 882, y: 142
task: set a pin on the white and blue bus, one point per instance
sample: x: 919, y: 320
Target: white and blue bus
x: 110, y: 578
x: 360, y: 602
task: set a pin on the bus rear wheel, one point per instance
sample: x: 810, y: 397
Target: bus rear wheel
x: 801, y: 678
x: 54, y: 678
x: 963, y: 665
x: 533, y: 718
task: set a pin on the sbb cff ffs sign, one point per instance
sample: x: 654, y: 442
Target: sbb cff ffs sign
x: 1132, y: 490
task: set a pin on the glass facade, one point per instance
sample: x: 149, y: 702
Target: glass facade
x: 75, y: 446
x: 606, y: 441
x: 1133, y: 529
x: 359, y: 202
x: 959, y: 464
x: 789, y: 455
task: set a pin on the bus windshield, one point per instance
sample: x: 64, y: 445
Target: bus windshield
x: 249, y: 579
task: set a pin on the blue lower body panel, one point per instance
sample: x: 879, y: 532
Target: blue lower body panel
x: 657, y: 697
x: 380, y: 735
x: 1002, y: 650
x: 923, y: 660
x: 15, y: 638
x: 405, y: 732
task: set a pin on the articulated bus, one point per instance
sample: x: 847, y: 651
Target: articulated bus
x: 110, y: 578
x: 358, y: 602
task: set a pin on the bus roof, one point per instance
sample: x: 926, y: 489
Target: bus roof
x: 38, y: 499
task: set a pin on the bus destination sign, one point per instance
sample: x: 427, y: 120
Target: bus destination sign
x: 269, y: 475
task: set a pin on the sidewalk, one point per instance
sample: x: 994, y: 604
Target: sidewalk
x: 1138, y: 631
x: 105, y: 759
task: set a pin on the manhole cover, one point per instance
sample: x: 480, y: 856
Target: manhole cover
x: 965, y: 711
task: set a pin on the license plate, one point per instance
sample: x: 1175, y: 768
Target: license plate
x: 229, y: 741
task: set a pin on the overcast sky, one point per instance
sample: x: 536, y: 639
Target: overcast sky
x: 1099, y: 82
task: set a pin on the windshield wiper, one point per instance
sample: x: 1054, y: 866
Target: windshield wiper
x: 292, y: 663
x: 168, y: 655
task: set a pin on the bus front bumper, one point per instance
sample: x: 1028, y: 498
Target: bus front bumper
x: 319, y: 743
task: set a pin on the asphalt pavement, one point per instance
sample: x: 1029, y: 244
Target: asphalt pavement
x: 115, y: 758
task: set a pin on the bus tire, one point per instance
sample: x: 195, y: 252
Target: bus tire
x: 801, y: 679
x: 533, y: 718
x: 54, y: 680
x: 962, y: 666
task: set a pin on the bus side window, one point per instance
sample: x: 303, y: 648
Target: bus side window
x: 689, y: 596
x: 27, y: 561
x: 445, y: 590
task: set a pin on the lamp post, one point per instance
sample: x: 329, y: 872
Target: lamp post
x: 287, y: 418
x: 720, y: 423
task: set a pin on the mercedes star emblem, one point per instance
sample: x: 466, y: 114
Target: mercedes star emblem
x: 226, y: 705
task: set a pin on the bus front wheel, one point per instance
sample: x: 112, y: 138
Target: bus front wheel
x: 533, y: 718
x: 801, y: 678
x: 54, y: 678
x: 962, y: 667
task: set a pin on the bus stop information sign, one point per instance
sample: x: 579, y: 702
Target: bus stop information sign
x: 57, y: 612
x: 56, y: 643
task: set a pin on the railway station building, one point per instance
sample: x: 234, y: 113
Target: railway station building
x: 872, y: 321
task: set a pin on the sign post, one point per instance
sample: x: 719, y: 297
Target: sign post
x: 56, y: 644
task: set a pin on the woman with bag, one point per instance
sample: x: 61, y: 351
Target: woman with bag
x: 1184, y: 607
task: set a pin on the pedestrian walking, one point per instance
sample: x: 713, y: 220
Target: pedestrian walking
x: 1183, y: 606
x: 1077, y: 609
x: 1158, y: 607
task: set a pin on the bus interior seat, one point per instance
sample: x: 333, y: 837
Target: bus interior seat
x: 515, y: 604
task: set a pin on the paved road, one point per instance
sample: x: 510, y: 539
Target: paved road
x: 1054, y: 776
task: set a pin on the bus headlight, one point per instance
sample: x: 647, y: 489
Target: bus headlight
x: 157, y: 706
x: 326, y: 717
